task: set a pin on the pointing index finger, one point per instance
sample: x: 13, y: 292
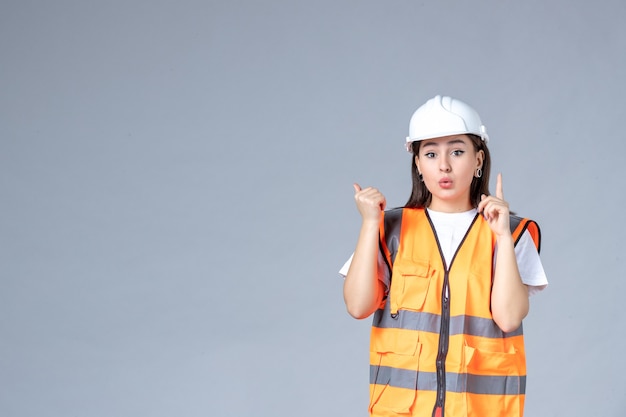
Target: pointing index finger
x: 499, y: 192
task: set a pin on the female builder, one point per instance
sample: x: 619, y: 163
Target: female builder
x: 448, y: 277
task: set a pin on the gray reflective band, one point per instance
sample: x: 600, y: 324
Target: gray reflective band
x: 429, y: 322
x: 427, y: 381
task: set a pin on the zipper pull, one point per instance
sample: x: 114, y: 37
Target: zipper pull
x: 393, y: 307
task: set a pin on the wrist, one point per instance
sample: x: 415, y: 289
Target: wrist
x: 368, y: 223
x: 504, y: 239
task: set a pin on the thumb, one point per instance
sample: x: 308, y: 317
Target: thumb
x: 357, y: 187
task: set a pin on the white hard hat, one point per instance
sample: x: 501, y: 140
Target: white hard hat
x: 444, y: 116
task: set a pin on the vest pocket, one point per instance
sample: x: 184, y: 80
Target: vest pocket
x: 494, y: 385
x: 409, y: 285
x: 393, y: 379
x: 483, y: 362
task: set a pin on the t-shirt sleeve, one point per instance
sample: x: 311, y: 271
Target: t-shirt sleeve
x: 344, y: 269
x: 529, y: 264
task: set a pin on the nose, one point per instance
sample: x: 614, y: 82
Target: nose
x: 444, y: 164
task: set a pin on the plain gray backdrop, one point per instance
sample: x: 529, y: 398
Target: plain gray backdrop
x: 176, y: 193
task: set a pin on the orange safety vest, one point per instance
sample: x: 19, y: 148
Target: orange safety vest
x: 435, y: 349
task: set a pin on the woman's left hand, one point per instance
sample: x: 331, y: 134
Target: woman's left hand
x: 495, y: 210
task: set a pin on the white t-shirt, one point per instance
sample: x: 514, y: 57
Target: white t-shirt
x: 451, y: 228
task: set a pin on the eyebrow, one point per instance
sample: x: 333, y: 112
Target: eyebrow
x: 450, y: 142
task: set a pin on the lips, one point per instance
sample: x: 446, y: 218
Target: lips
x: 445, y: 183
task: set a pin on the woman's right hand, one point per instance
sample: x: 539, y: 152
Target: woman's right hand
x: 370, y: 202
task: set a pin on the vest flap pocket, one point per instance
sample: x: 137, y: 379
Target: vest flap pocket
x: 483, y: 362
x: 496, y: 382
x: 409, y: 285
x: 393, y: 382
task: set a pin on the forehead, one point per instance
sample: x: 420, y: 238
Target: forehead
x: 447, y: 140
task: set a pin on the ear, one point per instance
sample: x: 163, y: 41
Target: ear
x: 417, y: 163
x: 480, y: 157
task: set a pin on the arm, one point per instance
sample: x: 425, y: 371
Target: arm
x: 362, y: 290
x: 509, y: 295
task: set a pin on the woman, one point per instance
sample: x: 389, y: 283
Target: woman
x: 447, y: 276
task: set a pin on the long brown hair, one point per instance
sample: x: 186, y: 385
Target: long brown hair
x: 421, y: 197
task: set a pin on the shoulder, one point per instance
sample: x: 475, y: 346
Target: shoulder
x: 519, y: 225
x: 392, y: 218
x: 391, y: 223
x: 394, y: 213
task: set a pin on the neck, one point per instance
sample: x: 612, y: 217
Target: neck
x: 450, y: 207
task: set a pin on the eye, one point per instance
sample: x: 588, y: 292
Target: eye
x: 458, y: 152
x: 429, y: 154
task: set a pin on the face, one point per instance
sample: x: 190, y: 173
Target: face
x: 448, y: 165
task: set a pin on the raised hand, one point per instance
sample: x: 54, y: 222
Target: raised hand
x: 370, y: 202
x: 496, y: 210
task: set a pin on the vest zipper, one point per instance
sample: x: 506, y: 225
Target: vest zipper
x: 444, y: 330
x: 444, y: 338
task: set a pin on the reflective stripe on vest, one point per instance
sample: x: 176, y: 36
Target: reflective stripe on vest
x: 435, y: 348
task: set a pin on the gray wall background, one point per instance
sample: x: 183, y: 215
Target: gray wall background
x: 176, y: 193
